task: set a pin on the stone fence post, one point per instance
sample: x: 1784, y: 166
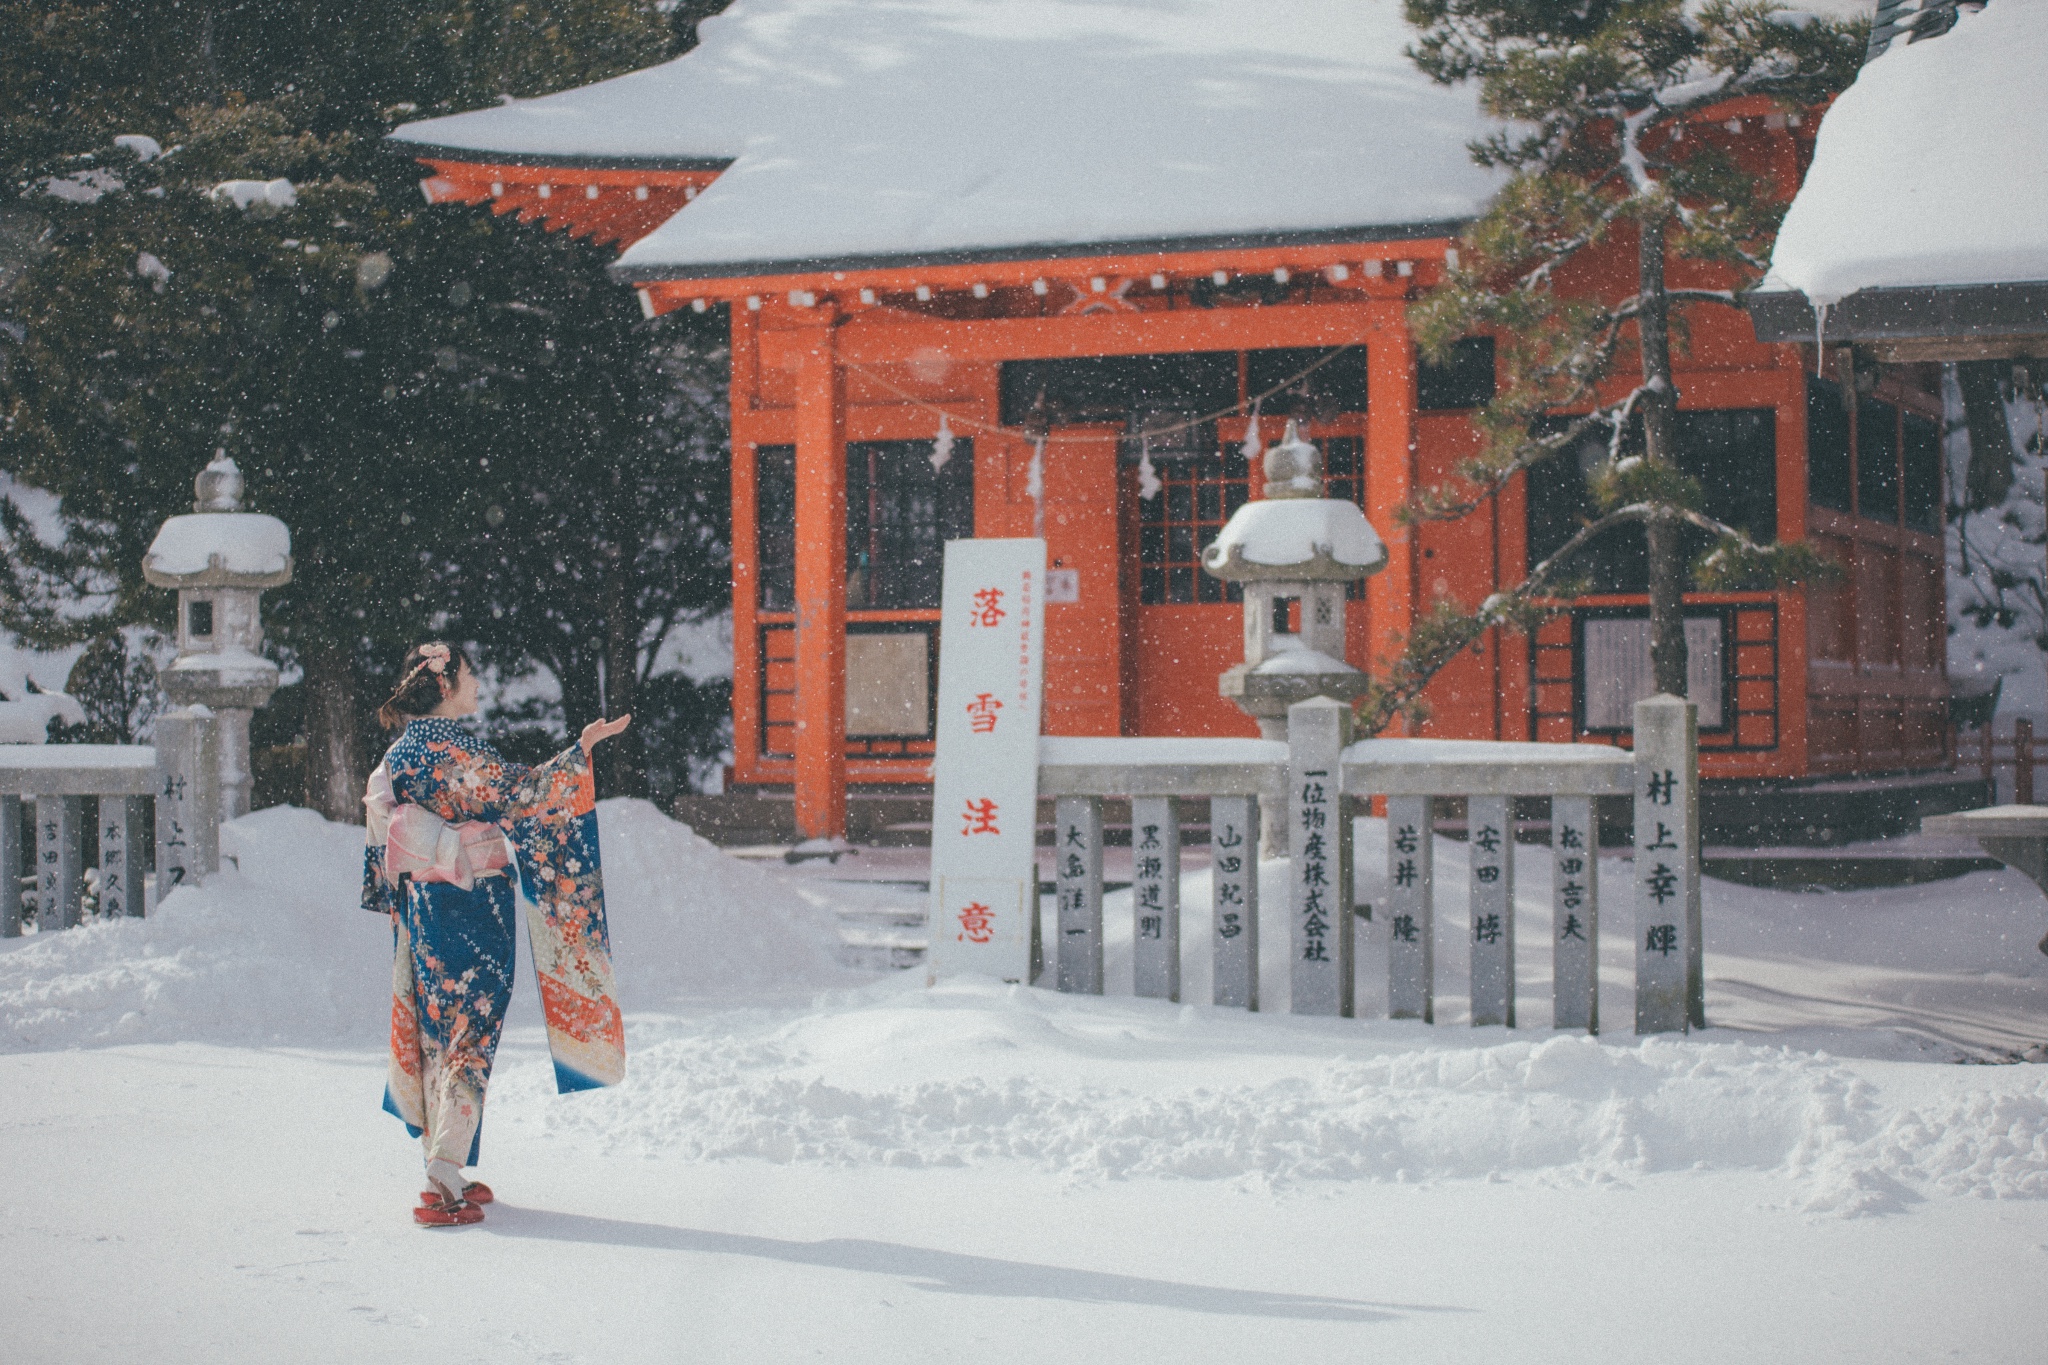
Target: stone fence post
x: 1670, y: 977
x: 187, y: 798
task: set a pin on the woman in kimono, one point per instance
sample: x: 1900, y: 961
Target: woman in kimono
x: 448, y: 822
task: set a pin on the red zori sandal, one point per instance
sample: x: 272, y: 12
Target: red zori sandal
x: 436, y: 1212
x: 473, y: 1192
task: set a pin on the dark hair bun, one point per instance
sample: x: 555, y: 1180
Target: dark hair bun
x: 421, y: 686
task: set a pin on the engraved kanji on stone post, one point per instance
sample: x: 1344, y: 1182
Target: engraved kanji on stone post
x: 1320, y: 840
x: 187, y: 799
x: 60, y: 861
x: 1669, y: 979
x: 1574, y: 914
x: 1490, y: 835
x: 122, y: 822
x: 1234, y: 899
x: 1077, y: 859
x: 1155, y: 897
x: 1411, y: 909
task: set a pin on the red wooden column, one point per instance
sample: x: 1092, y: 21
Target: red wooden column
x: 820, y: 581
x: 1390, y: 472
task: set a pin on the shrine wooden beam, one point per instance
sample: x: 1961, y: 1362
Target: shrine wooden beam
x: 876, y: 340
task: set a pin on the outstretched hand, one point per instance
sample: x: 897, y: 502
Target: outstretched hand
x: 603, y: 729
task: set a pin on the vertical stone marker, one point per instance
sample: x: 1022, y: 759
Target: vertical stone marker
x: 60, y: 861
x: 187, y: 799
x: 984, y: 877
x: 1575, y: 913
x: 1077, y: 853
x: 1155, y: 897
x: 1490, y: 835
x: 1669, y: 981
x: 1234, y: 898
x: 1320, y: 839
x: 122, y: 841
x: 10, y: 867
x: 1411, y: 908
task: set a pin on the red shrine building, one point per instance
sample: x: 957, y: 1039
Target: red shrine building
x: 982, y: 261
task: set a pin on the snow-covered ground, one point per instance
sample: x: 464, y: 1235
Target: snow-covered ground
x: 811, y: 1163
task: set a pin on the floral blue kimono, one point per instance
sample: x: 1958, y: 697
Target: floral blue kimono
x: 452, y: 966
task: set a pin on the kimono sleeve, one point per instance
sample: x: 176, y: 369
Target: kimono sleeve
x: 378, y: 894
x: 559, y: 789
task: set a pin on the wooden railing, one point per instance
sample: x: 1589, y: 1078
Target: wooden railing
x: 2014, y: 755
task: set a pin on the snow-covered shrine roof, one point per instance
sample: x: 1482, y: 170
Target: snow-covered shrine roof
x: 858, y: 132
x: 1930, y: 174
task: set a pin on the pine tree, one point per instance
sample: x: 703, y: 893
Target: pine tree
x: 1595, y: 96
x: 367, y: 360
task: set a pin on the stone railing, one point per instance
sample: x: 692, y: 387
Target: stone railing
x: 1318, y: 781
x: 98, y: 797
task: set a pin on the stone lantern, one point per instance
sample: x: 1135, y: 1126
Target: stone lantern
x: 1293, y: 551
x: 220, y: 559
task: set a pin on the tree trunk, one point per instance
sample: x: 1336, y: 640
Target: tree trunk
x: 1659, y: 408
x: 621, y: 756
x: 1991, y: 454
x: 334, y: 768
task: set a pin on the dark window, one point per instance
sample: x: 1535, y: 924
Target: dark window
x: 1827, y: 447
x: 1877, y: 461
x: 1923, y: 474
x: 1111, y: 388
x: 900, y: 512
x: 199, y: 620
x: 1732, y: 452
x: 1463, y: 380
x: 1174, y: 524
x: 1337, y: 384
x: 775, y: 520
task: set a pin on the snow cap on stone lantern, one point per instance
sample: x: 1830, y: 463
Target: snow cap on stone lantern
x: 1293, y: 550
x: 220, y: 559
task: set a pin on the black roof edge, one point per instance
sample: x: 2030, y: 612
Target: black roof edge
x: 2013, y: 309
x: 430, y: 151
x: 1033, y: 251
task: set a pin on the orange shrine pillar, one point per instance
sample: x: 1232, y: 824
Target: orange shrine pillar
x: 820, y: 582
x: 1390, y: 473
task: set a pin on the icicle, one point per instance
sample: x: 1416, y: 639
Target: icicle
x: 1034, y: 487
x: 1148, y: 477
x: 1820, y: 340
x: 1252, y: 448
x: 942, y: 444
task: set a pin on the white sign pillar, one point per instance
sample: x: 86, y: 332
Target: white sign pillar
x: 1155, y: 897
x: 1234, y: 898
x: 984, y: 876
x: 1320, y: 839
x: 1411, y: 908
x: 1669, y: 979
x: 10, y: 867
x: 1490, y: 835
x: 1574, y: 914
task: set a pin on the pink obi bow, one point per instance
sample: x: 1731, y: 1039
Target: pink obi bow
x: 420, y: 844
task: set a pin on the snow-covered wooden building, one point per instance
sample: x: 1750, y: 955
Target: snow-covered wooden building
x: 983, y: 257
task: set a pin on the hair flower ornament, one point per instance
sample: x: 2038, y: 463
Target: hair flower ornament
x: 435, y: 657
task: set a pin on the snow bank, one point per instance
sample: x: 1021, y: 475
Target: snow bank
x: 277, y: 950
x: 977, y: 1072
x: 1932, y: 169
